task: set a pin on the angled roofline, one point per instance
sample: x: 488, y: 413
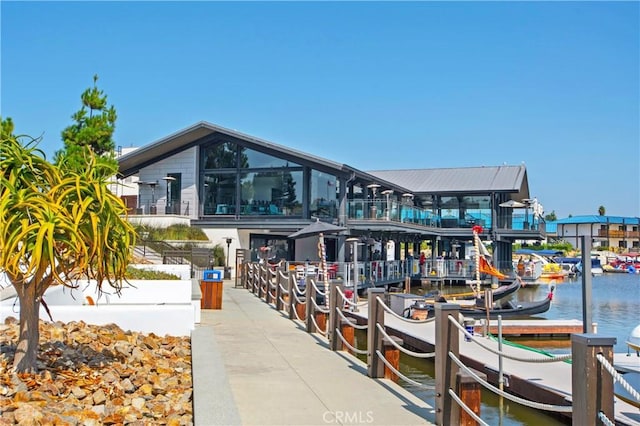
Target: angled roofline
x: 193, y: 135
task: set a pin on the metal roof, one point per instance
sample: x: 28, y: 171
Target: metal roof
x: 599, y: 219
x: 506, y: 179
x: 511, y: 179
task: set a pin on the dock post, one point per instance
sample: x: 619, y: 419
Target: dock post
x: 470, y: 393
x: 261, y: 279
x: 335, y: 301
x: 348, y: 332
x: 392, y: 355
x: 267, y: 286
x: 310, y: 296
x: 375, y: 366
x: 291, y: 285
x: 278, y: 300
x: 255, y: 278
x: 447, y: 340
x: 591, y: 384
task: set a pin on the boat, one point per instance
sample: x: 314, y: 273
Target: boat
x: 541, y: 266
x: 633, y: 341
x: 511, y: 308
x: 596, y: 266
x: 628, y: 263
x: 633, y: 379
x: 506, y: 308
x: 568, y: 265
x: 497, y: 293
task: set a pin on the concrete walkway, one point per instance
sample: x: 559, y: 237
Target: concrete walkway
x: 254, y: 366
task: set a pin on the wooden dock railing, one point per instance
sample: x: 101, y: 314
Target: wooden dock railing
x: 457, y: 401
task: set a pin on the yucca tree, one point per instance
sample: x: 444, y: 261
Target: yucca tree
x: 55, y: 227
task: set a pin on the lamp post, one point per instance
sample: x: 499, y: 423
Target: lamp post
x: 355, y: 271
x: 227, y: 272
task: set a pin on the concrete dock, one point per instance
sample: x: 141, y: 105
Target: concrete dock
x: 254, y: 366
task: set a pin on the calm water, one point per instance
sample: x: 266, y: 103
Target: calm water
x: 615, y: 306
x: 616, y: 309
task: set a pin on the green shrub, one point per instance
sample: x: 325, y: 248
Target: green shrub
x: 142, y: 274
x: 173, y: 232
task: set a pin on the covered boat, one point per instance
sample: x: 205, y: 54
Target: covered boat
x: 507, y: 309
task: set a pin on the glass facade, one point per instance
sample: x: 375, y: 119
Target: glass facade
x: 324, y: 195
x: 242, y: 181
x: 464, y: 211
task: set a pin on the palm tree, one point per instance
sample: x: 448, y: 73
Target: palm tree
x: 54, y: 229
x: 601, y: 210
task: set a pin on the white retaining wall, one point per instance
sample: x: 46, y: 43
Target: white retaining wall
x: 149, y: 306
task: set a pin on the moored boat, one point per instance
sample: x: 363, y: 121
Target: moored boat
x: 596, y: 266
x: 497, y: 293
x: 633, y: 341
x: 505, y: 308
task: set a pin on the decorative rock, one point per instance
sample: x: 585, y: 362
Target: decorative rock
x: 138, y: 403
x: 95, y: 375
x: 78, y: 392
x: 99, y: 397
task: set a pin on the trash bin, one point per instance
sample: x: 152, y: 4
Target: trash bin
x: 211, y: 288
x: 469, y: 324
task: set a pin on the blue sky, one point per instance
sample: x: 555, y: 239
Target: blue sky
x: 376, y: 85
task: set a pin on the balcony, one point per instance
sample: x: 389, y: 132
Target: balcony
x: 382, y: 211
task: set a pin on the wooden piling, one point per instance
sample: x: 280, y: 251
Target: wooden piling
x: 470, y: 392
x: 348, y: 332
x: 392, y: 355
x: 301, y: 309
x: 321, y: 320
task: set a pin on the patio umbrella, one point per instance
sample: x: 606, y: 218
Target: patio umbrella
x: 319, y: 228
x: 513, y: 204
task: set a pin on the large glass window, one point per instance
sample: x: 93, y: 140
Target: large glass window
x: 465, y: 211
x: 220, y: 193
x: 220, y: 156
x: 267, y: 185
x: 324, y: 195
x: 259, y: 160
x: 277, y: 192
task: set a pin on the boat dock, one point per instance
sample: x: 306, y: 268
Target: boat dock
x: 254, y: 366
x: 533, y: 328
x: 542, y: 382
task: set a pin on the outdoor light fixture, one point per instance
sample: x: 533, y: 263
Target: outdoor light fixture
x: 355, y: 242
x: 227, y: 272
x: 168, y: 179
x: 152, y: 185
x: 374, y: 188
x: 387, y: 193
